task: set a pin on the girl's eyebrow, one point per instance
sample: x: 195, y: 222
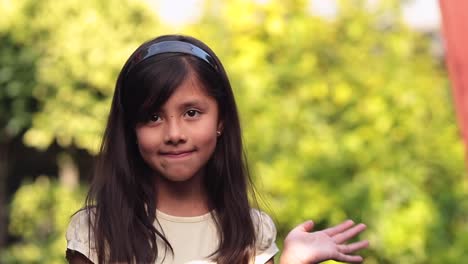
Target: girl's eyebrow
x: 187, y: 104
x: 192, y: 103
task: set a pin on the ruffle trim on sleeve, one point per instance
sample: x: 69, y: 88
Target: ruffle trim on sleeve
x: 79, y: 238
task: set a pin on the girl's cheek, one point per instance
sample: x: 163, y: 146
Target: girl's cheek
x: 147, y: 138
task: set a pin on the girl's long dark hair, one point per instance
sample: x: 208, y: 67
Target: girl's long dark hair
x: 121, y: 200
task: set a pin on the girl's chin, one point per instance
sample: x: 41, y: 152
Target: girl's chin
x: 178, y: 176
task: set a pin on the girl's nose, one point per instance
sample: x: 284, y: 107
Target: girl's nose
x: 174, y: 133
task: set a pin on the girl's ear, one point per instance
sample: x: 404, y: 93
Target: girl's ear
x: 220, y: 126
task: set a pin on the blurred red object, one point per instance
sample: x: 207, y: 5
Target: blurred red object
x: 455, y: 32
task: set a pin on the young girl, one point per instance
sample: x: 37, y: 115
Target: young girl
x: 171, y: 182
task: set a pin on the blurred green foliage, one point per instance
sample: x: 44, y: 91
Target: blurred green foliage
x: 40, y: 212
x: 17, y: 79
x: 347, y: 117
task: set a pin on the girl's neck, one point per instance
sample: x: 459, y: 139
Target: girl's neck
x: 187, y: 198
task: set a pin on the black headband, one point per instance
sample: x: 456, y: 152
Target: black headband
x: 171, y: 46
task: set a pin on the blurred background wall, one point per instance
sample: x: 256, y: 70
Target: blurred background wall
x: 346, y: 107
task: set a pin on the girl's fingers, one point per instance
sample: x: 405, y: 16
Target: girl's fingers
x: 349, y: 258
x: 339, y: 228
x: 349, y: 233
x: 350, y: 248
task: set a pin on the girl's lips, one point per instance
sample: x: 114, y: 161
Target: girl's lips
x: 177, y: 154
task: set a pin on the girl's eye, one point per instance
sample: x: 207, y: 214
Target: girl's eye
x: 154, y: 118
x: 192, y: 113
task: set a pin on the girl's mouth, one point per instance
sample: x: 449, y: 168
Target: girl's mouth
x: 177, y: 154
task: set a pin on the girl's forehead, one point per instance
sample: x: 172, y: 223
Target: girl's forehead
x: 190, y: 91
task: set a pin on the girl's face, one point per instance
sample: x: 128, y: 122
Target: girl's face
x: 180, y: 138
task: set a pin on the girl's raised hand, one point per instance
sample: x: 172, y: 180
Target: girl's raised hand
x: 304, y: 247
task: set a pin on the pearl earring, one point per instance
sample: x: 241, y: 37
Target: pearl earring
x: 218, y: 133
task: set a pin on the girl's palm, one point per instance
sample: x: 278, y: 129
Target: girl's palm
x: 303, y: 247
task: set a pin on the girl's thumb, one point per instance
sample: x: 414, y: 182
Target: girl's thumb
x: 307, y: 226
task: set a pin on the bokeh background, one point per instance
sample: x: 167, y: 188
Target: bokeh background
x: 346, y: 108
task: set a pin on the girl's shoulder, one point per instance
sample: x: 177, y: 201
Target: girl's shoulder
x: 79, y: 235
x: 80, y: 221
x: 265, y: 232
